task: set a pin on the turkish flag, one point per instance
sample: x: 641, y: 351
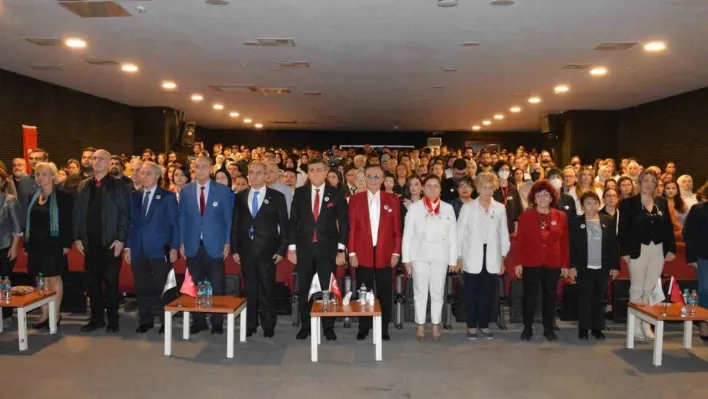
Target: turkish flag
x: 334, y: 286
x: 188, y: 287
x: 675, y: 292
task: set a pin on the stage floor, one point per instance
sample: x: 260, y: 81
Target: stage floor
x: 126, y: 365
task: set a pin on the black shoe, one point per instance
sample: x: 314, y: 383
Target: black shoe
x: 58, y: 321
x: 303, y: 334
x: 251, y: 331
x: 268, y: 333
x: 162, y: 330
x: 42, y: 325
x: 598, y: 334
x: 550, y: 336
x: 92, y: 326
x: 527, y: 334
x: 583, y: 334
x: 330, y: 335
x: 217, y: 329
x: 385, y: 336
x: 196, y: 328
x: 112, y: 328
x: 143, y: 328
x: 362, y: 335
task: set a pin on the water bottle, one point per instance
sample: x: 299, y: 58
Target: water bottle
x: 200, y: 294
x: 362, y: 294
x: 694, y: 302
x: 5, y: 289
x: 684, y: 308
x: 40, y: 284
x: 209, y: 291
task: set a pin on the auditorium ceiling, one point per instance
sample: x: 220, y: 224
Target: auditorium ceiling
x: 363, y: 64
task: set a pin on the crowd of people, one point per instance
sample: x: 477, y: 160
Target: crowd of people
x: 434, y: 210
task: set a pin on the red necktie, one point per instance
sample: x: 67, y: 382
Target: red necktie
x: 202, y: 202
x: 316, y: 213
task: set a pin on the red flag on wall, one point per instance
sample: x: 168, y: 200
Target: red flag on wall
x: 29, y: 143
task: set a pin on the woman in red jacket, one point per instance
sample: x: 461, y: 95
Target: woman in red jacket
x: 541, y: 254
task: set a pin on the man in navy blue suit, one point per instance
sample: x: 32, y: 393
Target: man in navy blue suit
x: 205, y: 214
x: 152, y: 244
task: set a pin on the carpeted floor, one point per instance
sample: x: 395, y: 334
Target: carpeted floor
x: 76, y: 365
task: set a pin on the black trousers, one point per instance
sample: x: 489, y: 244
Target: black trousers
x: 479, y: 289
x: 150, y: 276
x: 102, y: 275
x: 259, y: 279
x: 545, y: 279
x: 203, y: 267
x: 592, y: 285
x: 382, y: 281
x: 6, y: 267
x: 306, y: 268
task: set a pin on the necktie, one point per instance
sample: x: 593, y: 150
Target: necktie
x: 202, y: 202
x: 316, y: 213
x: 146, y: 202
x: 254, y: 211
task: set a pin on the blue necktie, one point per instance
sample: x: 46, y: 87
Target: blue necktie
x: 254, y: 210
x: 146, y: 201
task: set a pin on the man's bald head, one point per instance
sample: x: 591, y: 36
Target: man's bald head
x: 100, y: 161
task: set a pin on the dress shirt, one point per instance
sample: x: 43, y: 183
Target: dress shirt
x: 150, y: 198
x: 340, y: 246
x: 261, y: 197
x: 374, y: 201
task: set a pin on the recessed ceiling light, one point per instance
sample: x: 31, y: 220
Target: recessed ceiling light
x: 234, y: 114
x: 486, y: 123
x: 515, y: 109
x: 197, y: 97
x: 75, y: 43
x: 447, y: 3
x: 130, y: 68
x: 534, y: 100
x: 655, y: 46
x: 258, y: 125
x: 598, y: 71
x: 169, y: 85
x: 218, y: 106
x: 498, y: 117
x: 476, y: 127
x: 561, y: 89
x: 247, y: 120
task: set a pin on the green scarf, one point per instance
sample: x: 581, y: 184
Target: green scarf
x: 53, y: 215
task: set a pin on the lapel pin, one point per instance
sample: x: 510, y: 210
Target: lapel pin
x: 326, y: 199
x: 216, y: 203
x: 567, y: 207
x: 603, y: 226
x: 553, y: 222
x: 582, y: 226
x: 385, y: 207
x: 157, y: 197
x: 265, y: 201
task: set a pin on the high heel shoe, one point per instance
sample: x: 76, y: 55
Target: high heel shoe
x: 420, y: 334
x: 42, y: 325
x: 436, y: 337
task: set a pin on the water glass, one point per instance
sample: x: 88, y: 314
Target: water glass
x: 325, y: 300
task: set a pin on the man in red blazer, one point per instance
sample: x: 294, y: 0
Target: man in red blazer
x: 375, y: 244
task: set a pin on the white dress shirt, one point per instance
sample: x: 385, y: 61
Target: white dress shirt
x: 340, y: 246
x: 374, y: 201
x: 261, y: 196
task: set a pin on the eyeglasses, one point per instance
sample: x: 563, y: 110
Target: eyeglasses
x: 373, y: 177
x: 543, y: 195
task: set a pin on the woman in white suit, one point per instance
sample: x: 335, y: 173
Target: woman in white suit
x: 483, y: 237
x: 429, y: 251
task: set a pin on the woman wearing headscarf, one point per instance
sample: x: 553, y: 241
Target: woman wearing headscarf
x: 685, y: 183
x: 48, y: 235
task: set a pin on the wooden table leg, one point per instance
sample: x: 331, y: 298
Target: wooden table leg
x: 52, y: 315
x: 313, y: 337
x: 230, y: 326
x: 658, y: 342
x: 687, y: 334
x: 168, y: 333
x: 242, y: 322
x: 631, y: 326
x: 22, y: 328
x: 185, y: 326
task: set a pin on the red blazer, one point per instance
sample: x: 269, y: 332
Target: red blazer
x: 389, y: 235
x: 531, y: 250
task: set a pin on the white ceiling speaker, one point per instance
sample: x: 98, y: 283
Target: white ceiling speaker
x: 447, y: 3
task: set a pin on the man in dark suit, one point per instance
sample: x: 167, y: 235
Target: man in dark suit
x: 26, y: 186
x: 319, y: 227
x: 259, y: 240
x: 448, y: 189
x: 566, y: 202
x: 152, y: 246
x: 205, y: 215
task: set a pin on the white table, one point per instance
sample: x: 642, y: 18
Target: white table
x: 354, y: 309
x: 27, y: 303
x: 229, y: 305
x: 655, y: 316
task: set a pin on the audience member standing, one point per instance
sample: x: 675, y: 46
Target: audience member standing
x: 696, y: 236
x: 272, y: 180
x: 27, y: 185
x: 10, y: 233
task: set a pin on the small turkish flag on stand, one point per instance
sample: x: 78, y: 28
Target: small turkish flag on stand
x: 188, y: 287
x: 675, y: 292
x: 334, y: 287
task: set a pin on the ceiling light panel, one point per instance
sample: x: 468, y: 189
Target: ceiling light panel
x: 95, y: 9
x: 276, y: 42
x: 616, y: 46
x: 75, y: 43
x: 294, y: 64
x: 655, y: 46
x: 100, y: 62
x: 578, y: 67
x: 46, y: 41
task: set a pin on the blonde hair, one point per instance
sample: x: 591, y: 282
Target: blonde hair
x: 48, y: 165
x: 486, y: 177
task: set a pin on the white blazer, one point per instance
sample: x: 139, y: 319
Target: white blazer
x: 470, y: 236
x: 415, y: 230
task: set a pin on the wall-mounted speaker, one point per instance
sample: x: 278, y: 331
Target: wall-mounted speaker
x: 187, y: 134
x: 551, y: 123
x: 434, y: 142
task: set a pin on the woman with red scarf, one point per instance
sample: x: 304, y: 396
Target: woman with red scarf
x: 429, y: 251
x: 541, y: 254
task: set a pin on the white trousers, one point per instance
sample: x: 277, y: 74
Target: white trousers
x: 645, y: 271
x: 429, y: 277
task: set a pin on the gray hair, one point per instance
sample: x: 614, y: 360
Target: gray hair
x: 486, y: 177
x: 47, y: 165
x: 154, y: 166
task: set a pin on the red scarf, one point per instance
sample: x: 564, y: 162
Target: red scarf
x: 433, y: 208
x: 98, y: 182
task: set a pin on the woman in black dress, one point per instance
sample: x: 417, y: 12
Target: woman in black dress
x: 48, y: 235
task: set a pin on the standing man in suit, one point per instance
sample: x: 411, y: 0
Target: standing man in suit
x: 205, y: 214
x: 375, y: 244
x: 319, y: 226
x: 566, y: 202
x: 153, y: 242
x: 259, y: 240
x: 101, y: 224
x: 26, y: 186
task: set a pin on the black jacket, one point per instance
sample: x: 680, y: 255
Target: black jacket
x: 631, y: 224
x: 566, y: 204
x: 512, y: 204
x: 65, y: 207
x: 116, y: 210
x: 695, y: 232
x: 448, y: 190
x: 270, y: 227
x: 577, y: 228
